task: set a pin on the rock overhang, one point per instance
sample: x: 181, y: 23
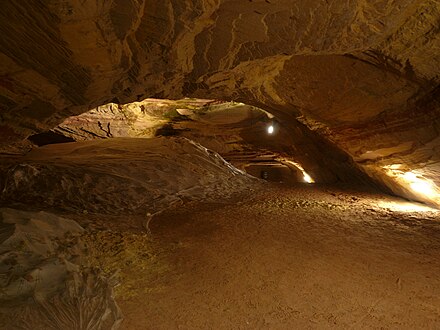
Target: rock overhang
x: 361, y: 75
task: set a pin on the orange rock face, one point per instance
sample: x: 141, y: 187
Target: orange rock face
x: 363, y: 75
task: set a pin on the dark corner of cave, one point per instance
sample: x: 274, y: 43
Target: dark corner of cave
x: 245, y: 164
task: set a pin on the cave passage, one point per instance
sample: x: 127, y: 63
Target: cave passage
x: 207, y: 214
x: 194, y: 164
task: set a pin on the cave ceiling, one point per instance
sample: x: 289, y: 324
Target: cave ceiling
x: 362, y: 74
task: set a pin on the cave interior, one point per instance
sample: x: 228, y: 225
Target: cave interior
x: 221, y: 164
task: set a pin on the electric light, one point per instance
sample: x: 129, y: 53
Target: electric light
x: 270, y: 129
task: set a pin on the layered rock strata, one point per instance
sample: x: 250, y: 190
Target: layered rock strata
x: 340, y: 67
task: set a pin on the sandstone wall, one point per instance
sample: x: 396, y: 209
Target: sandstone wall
x: 362, y: 73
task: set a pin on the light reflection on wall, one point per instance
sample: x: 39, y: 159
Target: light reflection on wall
x: 415, y: 182
x: 306, y: 177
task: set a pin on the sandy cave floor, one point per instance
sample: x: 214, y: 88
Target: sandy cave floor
x: 304, y: 257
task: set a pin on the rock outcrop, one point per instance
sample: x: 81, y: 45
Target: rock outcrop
x: 363, y: 74
x: 238, y: 132
x: 121, y: 175
x: 45, y: 282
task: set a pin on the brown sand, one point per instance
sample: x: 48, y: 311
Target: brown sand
x: 290, y: 258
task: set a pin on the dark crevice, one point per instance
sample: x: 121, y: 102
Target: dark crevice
x: 50, y: 137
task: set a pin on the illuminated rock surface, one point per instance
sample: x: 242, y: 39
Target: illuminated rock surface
x: 361, y: 73
x: 352, y: 90
x: 238, y: 132
x: 121, y: 175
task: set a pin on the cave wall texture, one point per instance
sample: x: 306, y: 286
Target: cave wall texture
x: 361, y: 74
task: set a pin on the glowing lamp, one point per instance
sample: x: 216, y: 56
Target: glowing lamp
x: 270, y: 129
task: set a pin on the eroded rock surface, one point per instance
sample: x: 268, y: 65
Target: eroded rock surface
x: 44, y: 280
x: 133, y: 176
x: 238, y: 132
x: 361, y: 73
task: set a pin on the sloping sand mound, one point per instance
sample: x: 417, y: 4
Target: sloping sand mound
x: 121, y: 175
x: 44, y: 283
x: 51, y: 272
